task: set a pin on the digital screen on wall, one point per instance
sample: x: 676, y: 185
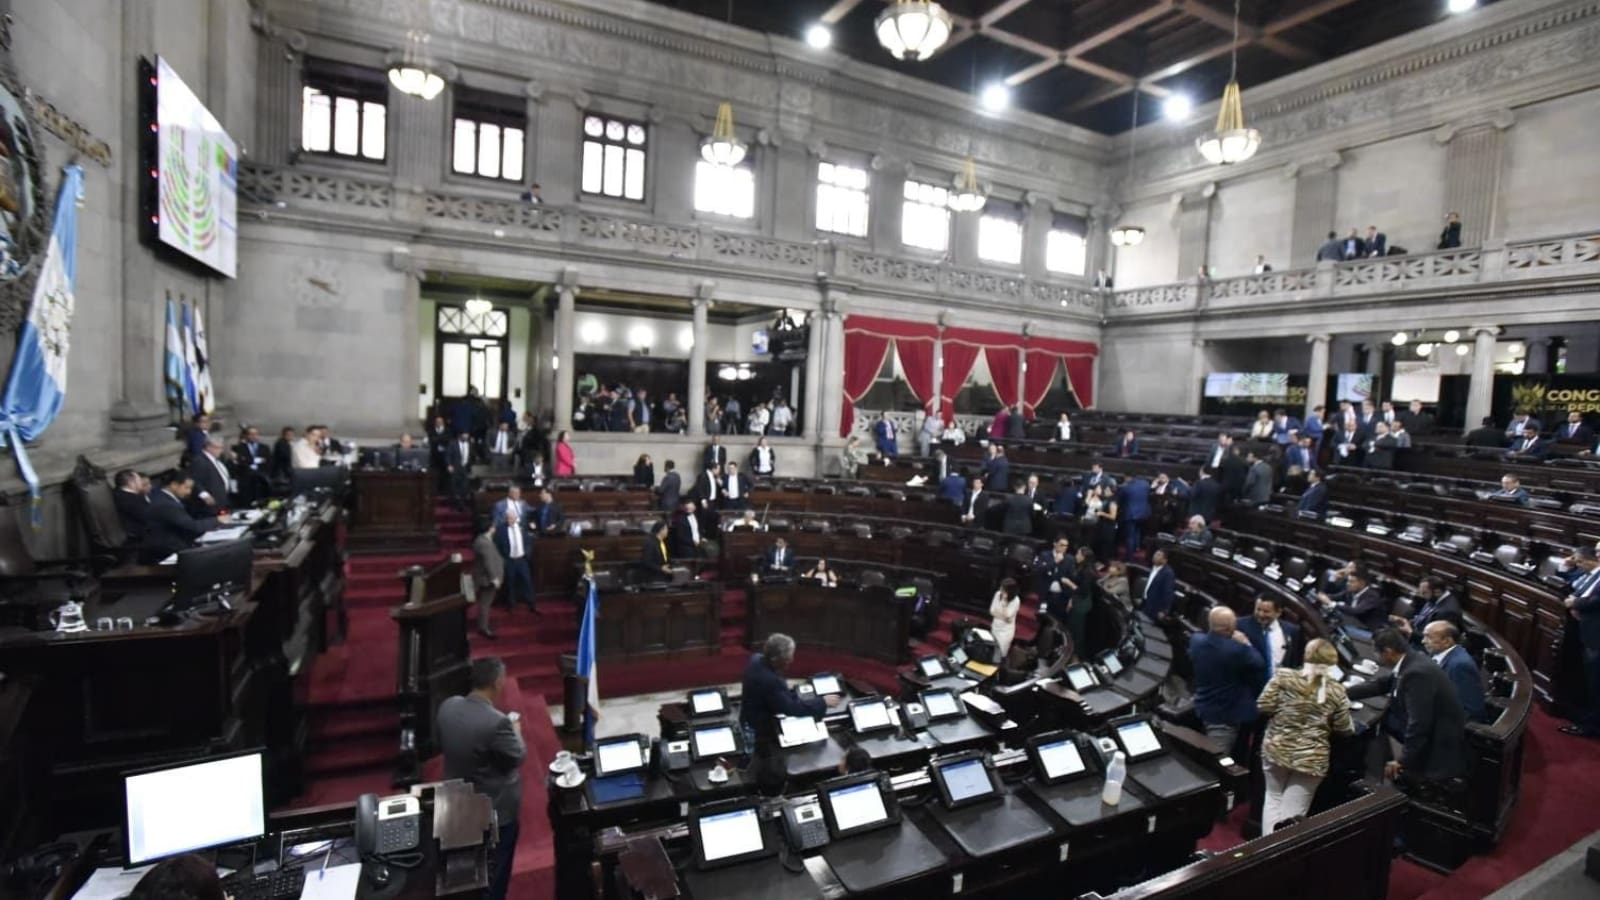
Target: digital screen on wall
x: 1355, y: 387
x: 196, y: 168
x: 1416, y: 381
x: 1228, y: 385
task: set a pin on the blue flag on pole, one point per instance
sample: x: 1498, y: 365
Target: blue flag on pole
x: 38, y: 383
x: 174, y: 359
x: 191, y: 366
x: 586, y: 664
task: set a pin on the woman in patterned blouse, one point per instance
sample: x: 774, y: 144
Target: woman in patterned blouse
x: 1306, y: 707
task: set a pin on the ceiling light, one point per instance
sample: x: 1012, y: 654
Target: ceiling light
x: 478, y: 306
x: 913, y: 29
x: 1230, y: 142
x: 1424, y: 349
x: 412, y: 73
x: 728, y: 373
x: 686, y: 338
x: 1462, y: 349
x: 1517, y: 349
x: 1127, y: 236
x: 723, y: 147
x: 1451, y: 336
x: 1177, y: 107
x: 968, y: 197
x: 1461, y: 6
x: 641, y: 336
x: 1399, y: 339
x: 592, y: 332
x: 996, y: 97
x: 819, y: 37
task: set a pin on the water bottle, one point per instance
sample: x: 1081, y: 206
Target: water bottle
x: 1111, y: 794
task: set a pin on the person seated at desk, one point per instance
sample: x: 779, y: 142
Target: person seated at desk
x: 187, y: 877
x: 779, y: 561
x: 1228, y: 674
x: 548, y: 517
x: 171, y: 526
x: 1575, y: 432
x: 1307, y: 708
x: 747, y: 521
x: 1196, y: 534
x: 952, y: 434
x: 484, y: 747
x: 852, y: 457
x: 1434, y: 603
x: 821, y: 574
x: 1424, y: 722
x: 764, y: 696
x: 1442, y: 640
x: 735, y: 488
x: 1314, y: 501
x: 1530, y: 447
x: 132, y: 500
x: 1512, y: 491
x: 856, y: 759
x: 214, y: 484
x: 654, y: 561
x: 1365, y: 603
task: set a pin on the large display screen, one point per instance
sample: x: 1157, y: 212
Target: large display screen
x: 1247, y: 384
x: 197, y: 169
x: 193, y: 807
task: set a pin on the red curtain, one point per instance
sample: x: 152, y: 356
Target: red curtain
x: 959, y: 358
x: 1080, y: 375
x: 916, y: 359
x: 866, y: 341
x: 1042, y: 366
x: 863, y: 359
x: 1003, y: 362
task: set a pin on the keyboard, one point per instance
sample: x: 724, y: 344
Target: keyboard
x: 284, y: 884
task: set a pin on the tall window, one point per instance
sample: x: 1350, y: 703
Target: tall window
x: 343, y: 110
x: 725, y: 191
x: 842, y: 199
x: 470, y: 352
x: 925, y: 218
x: 1066, y: 249
x: 488, y: 135
x: 1000, y: 233
x: 613, y: 157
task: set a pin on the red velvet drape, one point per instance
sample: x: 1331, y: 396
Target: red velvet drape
x: 959, y: 358
x: 916, y: 360
x: 863, y: 359
x: 866, y: 341
x: 1003, y: 362
x: 1080, y: 375
x: 1042, y: 367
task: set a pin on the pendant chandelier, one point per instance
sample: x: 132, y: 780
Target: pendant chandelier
x: 478, y: 307
x: 1230, y: 142
x: 968, y: 197
x: 412, y: 73
x: 723, y: 148
x: 913, y: 29
x: 1125, y: 235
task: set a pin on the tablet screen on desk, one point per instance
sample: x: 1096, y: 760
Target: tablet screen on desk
x: 826, y: 684
x: 1138, y: 739
x: 729, y: 834
x: 870, y: 716
x: 613, y: 757
x: 858, y: 806
x: 1112, y: 663
x: 1060, y: 759
x: 702, y: 703
x: 966, y: 780
x: 932, y: 667
x: 1080, y: 678
x: 715, y: 741
x: 941, y: 704
x: 797, y: 730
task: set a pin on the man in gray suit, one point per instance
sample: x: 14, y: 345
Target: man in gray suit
x: 488, y: 573
x: 670, y: 489
x: 483, y: 746
x: 1257, y: 481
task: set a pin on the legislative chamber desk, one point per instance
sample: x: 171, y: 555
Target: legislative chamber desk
x: 862, y: 621
x: 104, y: 702
x: 666, y: 622
x: 393, y: 511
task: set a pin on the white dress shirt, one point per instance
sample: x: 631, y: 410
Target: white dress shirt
x: 502, y: 442
x: 694, y: 529
x: 733, y: 487
x: 514, y: 538
x: 1275, y: 646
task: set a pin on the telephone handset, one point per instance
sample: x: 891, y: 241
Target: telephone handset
x: 803, y: 826
x: 916, y: 716
x: 388, y: 825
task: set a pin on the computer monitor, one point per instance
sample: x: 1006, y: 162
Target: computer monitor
x: 625, y: 753
x: 712, y: 741
x: 858, y: 803
x: 727, y: 833
x: 711, y: 702
x: 965, y: 779
x: 826, y: 683
x: 942, y: 704
x: 1057, y: 757
x: 1137, y: 738
x: 1111, y: 662
x: 933, y: 667
x: 1080, y: 678
x: 193, y: 806
x: 870, y: 715
x: 322, y: 478
x: 377, y: 457
x: 213, y: 570
x: 411, y: 458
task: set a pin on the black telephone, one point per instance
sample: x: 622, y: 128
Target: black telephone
x: 916, y: 715
x: 803, y: 826
x: 674, y: 756
x: 389, y: 825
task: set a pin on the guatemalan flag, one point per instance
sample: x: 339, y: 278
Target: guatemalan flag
x: 174, y: 359
x: 586, y: 664
x: 38, y: 383
x: 202, y: 358
x: 191, y: 363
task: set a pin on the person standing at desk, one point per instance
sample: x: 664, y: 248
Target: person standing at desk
x: 547, y: 517
x: 765, y: 696
x: 1443, y: 642
x: 213, y: 481
x: 1228, y: 674
x: 515, y: 543
x: 484, y: 747
x: 1426, y: 726
x: 132, y: 500
x: 172, y: 527
x: 1584, y: 605
x: 1307, y: 709
x: 488, y: 573
x: 654, y: 561
x: 459, y: 459
x: 1003, y: 609
x: 512, y: 498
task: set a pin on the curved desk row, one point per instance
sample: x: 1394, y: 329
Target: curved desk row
x: 1512, y: 523
x: 614, y: 497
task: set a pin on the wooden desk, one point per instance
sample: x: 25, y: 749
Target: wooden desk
x: 676, y: 623
x: 868, y: 621
x: 393, y: 512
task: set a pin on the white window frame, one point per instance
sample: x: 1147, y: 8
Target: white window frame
x: 925, y: 216
x: 630, y: 157
x: 993, y: 226
x: 844, y: 194
x: 1059, y: 256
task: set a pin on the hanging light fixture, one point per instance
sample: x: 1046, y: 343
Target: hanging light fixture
x: 723, y: 148
x: 913, y: 29
x: 478, y: 307
x: 413, y: 73
x: 968, y: 197
x: 1125, y: 235
x: 1230, y: 142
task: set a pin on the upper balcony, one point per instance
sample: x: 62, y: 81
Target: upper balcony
x: 1499, y: 266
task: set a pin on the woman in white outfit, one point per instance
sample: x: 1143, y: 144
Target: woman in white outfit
x: 1003, y: 612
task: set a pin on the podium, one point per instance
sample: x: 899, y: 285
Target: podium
x: 393, y: 512
x: 434, y: 658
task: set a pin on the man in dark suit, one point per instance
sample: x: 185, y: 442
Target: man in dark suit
x: 282, y: 465
x: 1228, y: 674
x: 708, y: 488
x: 1575, y: 432
x: 1416, y: 420
x: 1376, y: 242
x: 1277, y: 640
x: 438, y: 438
x: 1450, y: 237
x: 953, y: 488
x: 1352, y: 247
x: 1018, y: 517
x: 548, y: 517
x: 1426, y: 727
x: 1365, y: 603
x: 1314, y: 502
x: 1583, y: 603
x: 1133, y: 510
x: 1094, y: 478
x: 975, y: 508
x: 1233, y: 473
x: 1160, y: 588
x: 1367, y: 420
x: 502, y: 447
x: 655, y: 563
x: 1512, y: 491
x: 484, y: 747
x: 687, y: 533
x: 1442, y: 640
x: 212, y: 480
x: 779, y: 560
x: 1530, y: 447
x: 515, y: 542
x: 513, y: 497
x: 1257, y: 482
x: 132, y: 500
x: 1205, y: 498
x: 251, y: 453
x: 1434, y: 603
x: 1380, y: 448
x: 885, y: 437
x: 997, y: 469
x: 1217, y: 451
x: 459, y: 457
x: 670, y: 490
x: 715, y: 455
x: 735, y: 489
x: 765, y: 696
x: 1486, y: 435
x: 1127, y: 445
x: 171, y: 526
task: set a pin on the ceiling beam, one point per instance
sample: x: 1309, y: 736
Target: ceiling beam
x: 1002, y: 36
x: 1006, y: 8
x: 1096, y: 97
x: 1072, y: 55
x: 1118, y: 29
x: 1301, y: 17
x: 839, y: 10
x: 1204, y: 12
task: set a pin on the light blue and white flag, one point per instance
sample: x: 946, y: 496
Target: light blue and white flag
x: 38, y: 383
x: 174, y: 359
x: 191, y: 365
x: 587, y: 664
x: 202, y: 358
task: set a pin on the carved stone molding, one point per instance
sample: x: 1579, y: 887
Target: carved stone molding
x: 704, y: 291
x: 534, y: 90
x: 569, y: 279
x: 1499, y: 119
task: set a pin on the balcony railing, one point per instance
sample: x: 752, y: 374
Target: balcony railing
x: 509, y: 222
x: 1568, y: 256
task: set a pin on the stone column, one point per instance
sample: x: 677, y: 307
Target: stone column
x: 1474, y: 152
x: 1317, y: 380
x: 1022, y: 368
x: 556, y: 160
x: 1096, y: 383
x: 936, y: 403
x: 964, y: 239
x: 277, y: 127
x: 794, y: 190
x: 886, y: 202
x: 566, y: 342
x: 1194, y: 230
x: 1197, y: 377
x: 677, y: 149
x: 418, y: 138
x: 810, y: 412
x: 1097, y: 251
x: 1480, y: 390
x: 1038, y: 217
x: 1316, y: 194
x: 697, y: 358
x: 831, y: 389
